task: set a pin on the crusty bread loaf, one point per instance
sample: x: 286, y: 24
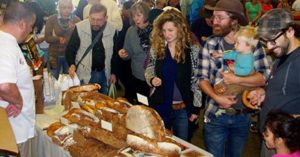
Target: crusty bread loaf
x: 146, y: 121
x: 64, y: 136
x: 80, y: 117
x: 145, y: 144
x: 53, y: 127
x: 92, y: 148
x: 146, y: 133
x: 103, y: 136
x: 73, y: 93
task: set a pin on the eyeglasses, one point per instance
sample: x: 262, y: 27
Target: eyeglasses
x: 272, y: 41
x: 219, y: 18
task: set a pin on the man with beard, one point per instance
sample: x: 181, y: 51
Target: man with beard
x: 227, y: 122
x: 279, y: 32
x: 94, y: 64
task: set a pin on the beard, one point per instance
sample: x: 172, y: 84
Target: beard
x: 96, y: 28
x: 280, y: 50
x: 221, y: 31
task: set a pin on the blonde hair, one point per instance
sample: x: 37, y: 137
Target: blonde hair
x: 248, y: 35
x: 183, y: 35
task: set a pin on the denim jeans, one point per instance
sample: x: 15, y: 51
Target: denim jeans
x: 100, y: 78
x: 178, y: 122
x: 227, y: 135
x: 62, y: 65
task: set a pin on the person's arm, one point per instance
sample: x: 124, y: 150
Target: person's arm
x: 256, y: 96
x: 231, y: 55
x: 71, y: 51
x: 261, y: 68
x: 222, y: 101
x: 49, y: 29
x: 9, y: 92
x: 127, y: 50
x: 243, y: 65
x: 114, y: 60
x: 150, y: 70
x: 204, y: 75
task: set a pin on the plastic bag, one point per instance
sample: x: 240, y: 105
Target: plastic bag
x: 112, y: 91
x: 51, y: 89
x: 65, y: 81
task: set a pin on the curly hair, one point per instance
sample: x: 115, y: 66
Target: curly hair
x: 183, y: 35
x: 284, y: 126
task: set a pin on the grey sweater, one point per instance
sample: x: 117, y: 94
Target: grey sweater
x: 135, y: 53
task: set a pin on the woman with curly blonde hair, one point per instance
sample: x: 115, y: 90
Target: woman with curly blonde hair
x: 170, y: 70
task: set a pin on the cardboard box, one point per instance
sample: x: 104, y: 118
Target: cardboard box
x: 7, y: 137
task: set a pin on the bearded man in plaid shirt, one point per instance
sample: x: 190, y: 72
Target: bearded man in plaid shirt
x: 227, y: 122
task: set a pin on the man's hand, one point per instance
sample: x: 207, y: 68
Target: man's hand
x: 193, y: 117
x: 217, y: 54
x: 122, y: 53
x: 156, y: 81
x: 62, y: 40
x: 231, y: 67
x: 230, y: 78
x: 256, y: 96
x: 13, y: 110
x: 226, y: 101
x: 72, y: 70
x: 113, y: 79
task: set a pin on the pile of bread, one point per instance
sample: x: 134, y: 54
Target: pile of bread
x: 96, y: 125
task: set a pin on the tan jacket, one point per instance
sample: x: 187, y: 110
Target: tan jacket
x: 85, y: 35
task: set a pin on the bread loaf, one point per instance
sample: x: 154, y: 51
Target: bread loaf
x: 73, y: 93
x: 80, y: 117
x: 144, y: 120
x: 53, y: 127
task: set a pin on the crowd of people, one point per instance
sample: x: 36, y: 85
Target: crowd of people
x: 173, y: 52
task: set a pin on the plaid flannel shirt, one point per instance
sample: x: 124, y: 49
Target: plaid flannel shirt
x: 210, y: 68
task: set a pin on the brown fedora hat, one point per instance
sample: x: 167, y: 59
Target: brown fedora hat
x: 207, y: 10
x: 233, y: 6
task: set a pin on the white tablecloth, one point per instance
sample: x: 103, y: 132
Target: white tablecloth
x: 46, y: 148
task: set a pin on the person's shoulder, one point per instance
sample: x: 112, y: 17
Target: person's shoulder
x: 132, y: 29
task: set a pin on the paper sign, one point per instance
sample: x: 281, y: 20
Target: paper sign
x: 106, y: 125
x: 142, y: 99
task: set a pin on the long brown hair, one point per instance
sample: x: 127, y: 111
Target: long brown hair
x: 183, y: 35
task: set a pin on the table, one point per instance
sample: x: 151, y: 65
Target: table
x: 46, y: 148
